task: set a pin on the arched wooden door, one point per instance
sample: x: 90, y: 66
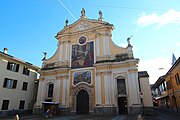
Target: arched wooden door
x: 82, y: 105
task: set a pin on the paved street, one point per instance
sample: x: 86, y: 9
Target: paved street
x: 159, y: 115
x: 163, y: 115
x: 73, y: 117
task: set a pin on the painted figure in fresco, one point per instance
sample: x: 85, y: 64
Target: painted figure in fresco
x: 82, y: 55
x: 86, y: 60
x: 82, y: 77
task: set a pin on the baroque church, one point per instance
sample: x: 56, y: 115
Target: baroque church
x: 89, y: 74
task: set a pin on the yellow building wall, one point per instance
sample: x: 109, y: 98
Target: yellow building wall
x: 175, y: 88
x: 72, y: 35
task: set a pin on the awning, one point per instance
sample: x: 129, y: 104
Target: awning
x: 51, y: 103
x: 160, y: 97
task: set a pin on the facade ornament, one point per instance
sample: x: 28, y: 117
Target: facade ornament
x: 128, y: 40
x: 129, y: 48
x: 82, y: 26
x: 5, y: 50
x: 83, y: 12
x: 100, y: 16
x: 67, y: 22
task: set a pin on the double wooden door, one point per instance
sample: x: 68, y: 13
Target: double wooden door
x: 82, y: 106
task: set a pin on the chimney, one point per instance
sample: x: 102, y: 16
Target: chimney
x: 5, y: 50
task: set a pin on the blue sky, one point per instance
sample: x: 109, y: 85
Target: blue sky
x: 28, y: 27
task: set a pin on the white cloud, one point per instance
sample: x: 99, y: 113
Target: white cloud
x: 178, y: 44
x: 135, y: 49
x: 156, y: 44
x: 169, y: 17
x: 152, y: 67
x: 164, y: 50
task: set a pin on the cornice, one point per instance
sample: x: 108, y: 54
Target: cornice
x: 100, y: 72
x: 90, y: 30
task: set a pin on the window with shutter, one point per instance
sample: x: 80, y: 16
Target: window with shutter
x: 25, y: 85
x: 9, y: 83
x: 8, y: 65
x: 5, y: 82
x: 13, y: 67
x: 5, y: 105
x: 17, y: 67
x: 14, y: 83
x: 21, y: 104
x: 177, y: 79
x: 26, y: 71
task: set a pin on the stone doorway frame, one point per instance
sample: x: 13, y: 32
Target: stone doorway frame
x: 76, y: 89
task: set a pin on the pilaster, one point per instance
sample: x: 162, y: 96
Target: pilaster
x: 97, y: 45
x: 60, y: 51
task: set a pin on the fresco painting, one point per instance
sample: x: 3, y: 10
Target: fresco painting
x: 84, y: 76
x: 82, y: 55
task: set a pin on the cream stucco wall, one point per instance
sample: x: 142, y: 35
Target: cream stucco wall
x: 16, y: 94
x: 146, y: 90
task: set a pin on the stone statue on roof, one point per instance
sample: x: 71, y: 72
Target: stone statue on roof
x: 100, y: 16
x: 83, y: 12
x: 128, y: 40
x: 45, y: 53
x: 66, y: 22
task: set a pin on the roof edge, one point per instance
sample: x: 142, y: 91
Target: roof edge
x: 19, y: 60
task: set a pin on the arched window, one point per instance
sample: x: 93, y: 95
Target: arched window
x: 121, y: 86
x: 50, y: 90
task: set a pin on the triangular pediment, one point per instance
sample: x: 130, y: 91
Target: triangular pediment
x: 83, y: 25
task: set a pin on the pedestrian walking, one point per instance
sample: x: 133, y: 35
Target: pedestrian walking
x: 16, y: 117
x: 47, y: 113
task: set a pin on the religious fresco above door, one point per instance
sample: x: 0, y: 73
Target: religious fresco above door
x: 82, y: 54
x: 84, y: 76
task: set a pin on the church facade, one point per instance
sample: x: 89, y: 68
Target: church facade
x: 89, y: 74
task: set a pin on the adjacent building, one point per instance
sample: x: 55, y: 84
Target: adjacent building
x: 166, y: 90
x: 16, y: 85
x: 172, y: 78
x: 145, y: 91
x: 89, y: 74
x: 160, y: 95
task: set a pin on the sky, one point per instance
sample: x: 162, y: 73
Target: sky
x: 28, y: 28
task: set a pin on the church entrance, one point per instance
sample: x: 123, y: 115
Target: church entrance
x: 122, y: 105
x: 82, y: 105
